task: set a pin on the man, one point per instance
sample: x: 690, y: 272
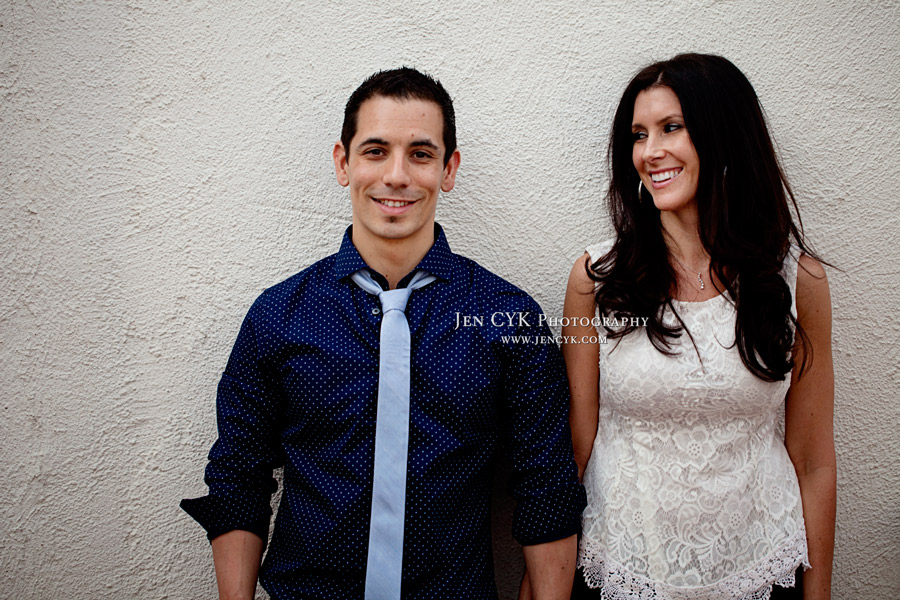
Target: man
x: 307, y: 378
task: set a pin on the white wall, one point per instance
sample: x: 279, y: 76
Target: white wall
x: 162, y: 163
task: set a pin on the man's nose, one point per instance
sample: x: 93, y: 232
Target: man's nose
x: 396, y: 171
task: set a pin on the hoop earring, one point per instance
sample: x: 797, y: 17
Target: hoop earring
x: 640, y: 188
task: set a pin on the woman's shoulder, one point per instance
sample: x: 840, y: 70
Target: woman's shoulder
x: 581, y: 285
x: 802, y: 265
x: 592, y: 253
x: 809, y: 268
x: 600, y: 249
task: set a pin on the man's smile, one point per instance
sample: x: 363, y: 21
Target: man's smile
x: 392, y: 203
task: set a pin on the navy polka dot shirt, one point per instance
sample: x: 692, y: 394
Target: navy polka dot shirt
x: 300, y: 389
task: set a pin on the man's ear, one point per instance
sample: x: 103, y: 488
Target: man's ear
x: 449, y: 179
x: 340, y: 164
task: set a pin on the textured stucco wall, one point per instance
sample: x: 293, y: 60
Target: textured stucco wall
x: 162, y: 163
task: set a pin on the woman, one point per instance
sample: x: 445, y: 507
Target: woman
x: 717, y: 318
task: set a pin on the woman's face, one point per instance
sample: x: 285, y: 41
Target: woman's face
x: 663, y: 152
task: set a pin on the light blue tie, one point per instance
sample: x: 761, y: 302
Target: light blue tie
x: 384, y: 565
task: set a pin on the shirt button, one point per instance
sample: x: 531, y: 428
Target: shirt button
x: 376, y: 311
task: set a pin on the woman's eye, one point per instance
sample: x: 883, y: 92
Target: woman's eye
x: 638, y: 136
x: 672, y: 127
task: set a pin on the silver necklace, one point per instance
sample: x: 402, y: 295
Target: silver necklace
x: 683, y: 266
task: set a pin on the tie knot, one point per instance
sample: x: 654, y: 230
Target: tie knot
x: 394, y: 299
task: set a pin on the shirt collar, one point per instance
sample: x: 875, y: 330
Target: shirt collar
x: 438, y: 261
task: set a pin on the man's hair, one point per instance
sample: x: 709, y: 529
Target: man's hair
x: 404, y: 83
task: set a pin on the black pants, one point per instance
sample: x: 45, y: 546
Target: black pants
x: 580, y: 591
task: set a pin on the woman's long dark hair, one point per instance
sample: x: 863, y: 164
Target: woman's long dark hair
x: 744, y: 215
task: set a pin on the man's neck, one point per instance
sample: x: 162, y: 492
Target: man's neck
x: 392, y: 258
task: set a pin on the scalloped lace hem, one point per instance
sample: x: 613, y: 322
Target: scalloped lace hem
x: 617, y: 583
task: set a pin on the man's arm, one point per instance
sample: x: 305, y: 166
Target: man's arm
x: 549, y: 570
x: 236, y: 556
x: 236, y: 512
x: 581, y: 366
x: 549, y: 497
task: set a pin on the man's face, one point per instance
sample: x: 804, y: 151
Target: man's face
x: 394, y: 168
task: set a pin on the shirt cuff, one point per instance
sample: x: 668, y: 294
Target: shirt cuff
x: 552, y: 516
x: 219, y: 515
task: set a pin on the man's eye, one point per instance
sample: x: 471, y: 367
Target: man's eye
x: 374, y: 152
x: 421, y: 155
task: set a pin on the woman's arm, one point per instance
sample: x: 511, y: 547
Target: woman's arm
x: 581, y: 361
x: 809, y: 430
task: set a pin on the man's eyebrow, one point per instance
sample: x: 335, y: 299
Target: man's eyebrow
x: 372, y: 140
x: 424, y: 142
x: 415, y: 143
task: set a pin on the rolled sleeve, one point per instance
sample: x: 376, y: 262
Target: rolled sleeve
x: 549, y: 497
x: 221, y: 515
x: 241, y: 461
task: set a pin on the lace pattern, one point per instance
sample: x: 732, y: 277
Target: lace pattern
x: 617, y: 583
x: 691, y: 492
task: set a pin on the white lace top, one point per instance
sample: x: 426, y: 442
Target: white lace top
x: 691, y: 493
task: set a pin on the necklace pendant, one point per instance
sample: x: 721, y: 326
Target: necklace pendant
x: 700, y: 279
